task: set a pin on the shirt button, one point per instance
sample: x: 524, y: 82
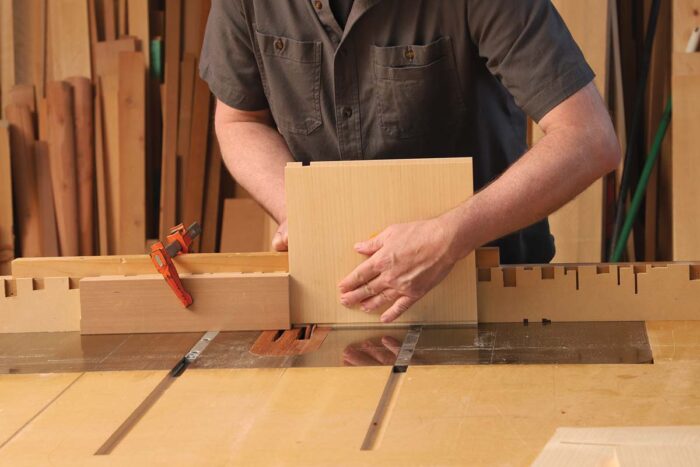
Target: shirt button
x: 409, y: 53
x: 347, y: 112
x: 279, y: 44
x: 318, y: 4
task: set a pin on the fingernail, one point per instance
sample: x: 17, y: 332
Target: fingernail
x: 358, y: 246
x: 364, y: 308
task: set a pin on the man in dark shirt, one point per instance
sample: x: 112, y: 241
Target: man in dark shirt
x: 311, y: 80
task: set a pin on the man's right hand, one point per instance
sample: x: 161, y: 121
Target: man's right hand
x: 280, y: 241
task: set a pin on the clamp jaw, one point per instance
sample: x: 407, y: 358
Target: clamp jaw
x: 179, y: 242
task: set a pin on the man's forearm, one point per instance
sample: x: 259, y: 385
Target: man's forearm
x: 256, y: 154
x: 561, y: 165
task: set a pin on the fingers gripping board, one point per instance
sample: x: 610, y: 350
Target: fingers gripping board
x: 333, y: 205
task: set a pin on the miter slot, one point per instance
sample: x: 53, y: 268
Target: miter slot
x: 387, y: 401
x: 125, y: 428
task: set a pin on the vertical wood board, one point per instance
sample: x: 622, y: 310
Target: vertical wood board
x: 132, y: 153
x: 333, y: 205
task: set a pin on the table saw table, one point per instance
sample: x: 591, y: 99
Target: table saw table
x: 492, y: 395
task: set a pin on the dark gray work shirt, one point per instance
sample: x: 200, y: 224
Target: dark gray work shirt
x: 402, y: 79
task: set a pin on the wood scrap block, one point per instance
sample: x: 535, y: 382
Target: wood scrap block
x: 194, y: 263
x: 24, y: 179
x: 132, y: 153
x: 69, y: 36
x: 333, y: 205
x: 145, y: 304
x: 168, y: 183
x: 63, y: 164
x: 47, y: 207
x: 7, y: 236
x: 83, y: 106
x: 38, y: 305
x: 246, y: 227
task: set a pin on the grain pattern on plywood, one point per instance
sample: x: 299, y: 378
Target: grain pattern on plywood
x: 193, y: 263
x: 7, y: 238
x: 222, y: 301
x: 333, y: 205
x: 24, y: 179
x: 83, y: 107
x: 63, y: 164
x: 578, y: 226
x: 132, y: 153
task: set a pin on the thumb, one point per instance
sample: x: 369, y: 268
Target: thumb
x: 371, y: 246
x: 280, y: 241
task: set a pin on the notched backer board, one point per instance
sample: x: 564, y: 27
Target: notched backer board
x: 48, y: 304
x: 589, y: 292
x: 222, y: 302
x: 333, y: 205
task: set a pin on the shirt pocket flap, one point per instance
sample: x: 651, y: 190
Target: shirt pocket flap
x: 290, y: 49
x: 412, y: 55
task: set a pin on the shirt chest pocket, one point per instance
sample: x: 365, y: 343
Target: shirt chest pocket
x: 417, y: 88
x: 291, y: 76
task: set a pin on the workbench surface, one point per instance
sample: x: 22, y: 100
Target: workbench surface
x: 319, y: 415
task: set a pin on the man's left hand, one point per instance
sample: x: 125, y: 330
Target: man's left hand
x: 405, y: 262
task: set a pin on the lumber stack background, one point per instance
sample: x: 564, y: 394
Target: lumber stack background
x: 107, y: 141
x: 106, y: 138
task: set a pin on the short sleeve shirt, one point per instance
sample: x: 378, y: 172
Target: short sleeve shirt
x: 401, y: 79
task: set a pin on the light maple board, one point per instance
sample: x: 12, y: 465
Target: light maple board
x: 578, y: 226
x: 77, y: 267
x: 145, y: 304
x: 333, y: 205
